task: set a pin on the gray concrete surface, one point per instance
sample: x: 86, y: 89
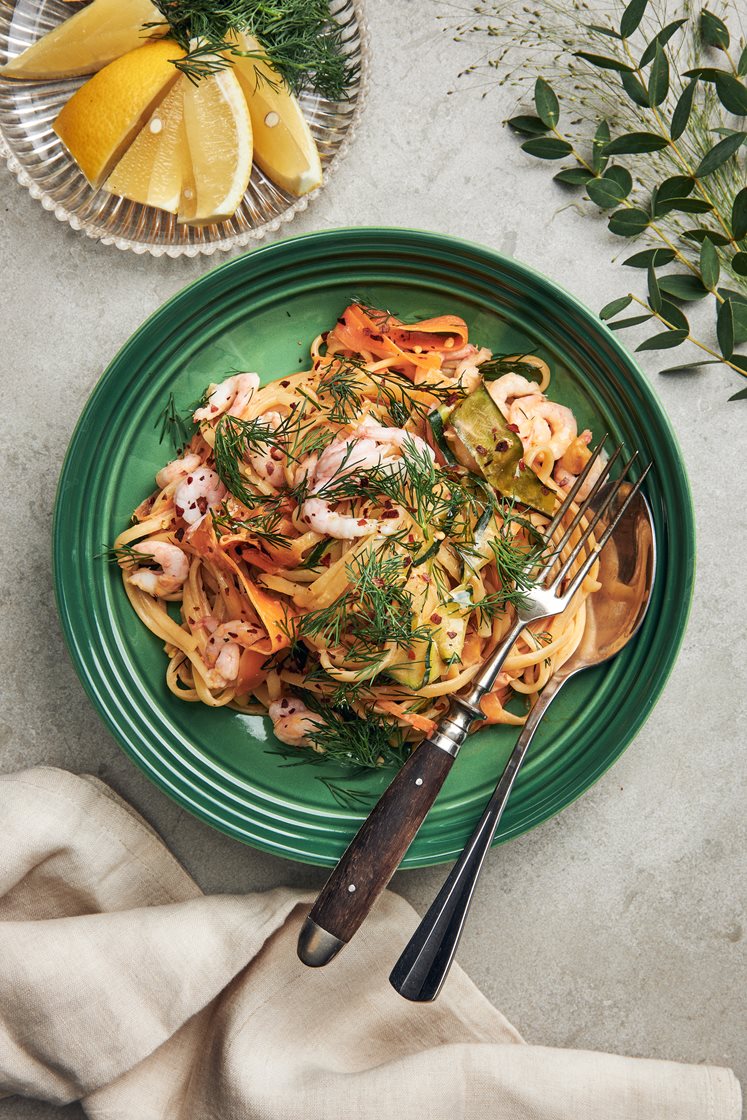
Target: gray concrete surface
x: 619, y: 924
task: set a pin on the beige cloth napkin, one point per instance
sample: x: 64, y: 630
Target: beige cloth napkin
x: 123, y: 986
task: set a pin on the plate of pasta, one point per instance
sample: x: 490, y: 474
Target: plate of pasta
x: 297, y: 513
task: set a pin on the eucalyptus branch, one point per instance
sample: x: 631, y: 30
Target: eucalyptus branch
x: 653, y: 93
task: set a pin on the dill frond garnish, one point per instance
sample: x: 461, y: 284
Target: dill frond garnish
x: 299, y: 40
x: 175, y: 425
x: 126, y: 555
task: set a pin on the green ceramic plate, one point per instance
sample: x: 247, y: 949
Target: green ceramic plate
x: 260, y: 311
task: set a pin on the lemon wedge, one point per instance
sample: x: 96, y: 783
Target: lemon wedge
x: 87, y: 40
x: 219, y: 138
x: 101, y: 119
x: 150, y: 171
x: 283, y: 145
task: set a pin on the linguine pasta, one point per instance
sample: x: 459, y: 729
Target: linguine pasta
x: 344, y: 547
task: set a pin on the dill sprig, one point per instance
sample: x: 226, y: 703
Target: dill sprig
x: 346, y: 383
x: 125, y: 555
x: 264, y: 526
x: 346, y: 738
x: 299, y: 40
x: 175, y: 425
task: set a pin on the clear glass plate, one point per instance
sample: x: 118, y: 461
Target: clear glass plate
x: 40, y: 163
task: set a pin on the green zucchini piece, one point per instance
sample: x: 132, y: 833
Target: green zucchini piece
x: 498, y: 451
x: 436, y: 419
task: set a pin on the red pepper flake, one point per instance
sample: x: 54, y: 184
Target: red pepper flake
x: 178, y: 511
x: 379, y: 582
x: 513, y: 427
x: 191, y: 621
x: 179, y: 534
x: 326, y: 561
x: 436, y: 618
x: 407, y: 561
x: 481, y: 450
x: 325, y: 336
x: 451, y: 633
x: 502, y: 445
x: 276, y: 454
x: 411, y: 654
x: 362, y: 521
x: 452, y: 398
x: 189, y: 479
x: 389, y: 513
x: 283, y: 704
x: 522, y: 465
x: 270, y: 469
x: 213, y: 408
x: 376, y: 338
x: 410, y: 538
x: 285, y: 384
x: 202, y: 505
x: 341, y: 321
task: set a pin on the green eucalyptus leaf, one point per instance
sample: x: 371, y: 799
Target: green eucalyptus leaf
x: 658, y: 82
x: 739, y: 264
x: 691, y: 366
x: 710, y: 267
x: 740, y: 396
x: 739, y: 215
x: 705, y: 73
x: 603, y: 62
x: 662, y: 37
x: 622, y: 177
x: 742, y: 64
x: 574, y: 176
x: 635, y: 90
x: 678, y: 186
x: 740, y: 361
x: 546, y: 103
x: 527, y: 125
x: 664, y: 341
x: 634, y: 321
x: 682, y: 110
x: 604, y: 192
x: 615, y: 307
x: 685, y: 286
x: 739, y: 315
x: 720, y: 153
x: 655, y: 257
x: 684, y: 205
x: 735, y: 297
x: 547, y: 147
x: 725, y: 328
x: 699, y: 235
x: 631, y: 17
x: 604, y: 31
x: 732, y: 94
x: 714, y: 31
x: 676, y: 318
x: 628, y: 223
x: 631, y: 143
x: 654, y: 293
x: 601, y: 138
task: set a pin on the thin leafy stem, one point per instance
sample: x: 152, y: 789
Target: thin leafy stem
x: 690, y: 338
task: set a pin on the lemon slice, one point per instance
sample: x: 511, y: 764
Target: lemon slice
x: 283, y: 145
x: 99, y: 122
x: 219, y: 138
x: 88, y: 40
x: 150, y: 171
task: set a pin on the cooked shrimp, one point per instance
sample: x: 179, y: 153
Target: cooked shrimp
x: 269, y: 464
x: 507, y: 388
x: 543, y: 423
x: 464, y: 365
x: 169, y: 577
x: 292, y: 721
x: 198, y: 493
x: 322, y: 519
x: 370, y: 429
x: 231, y: 396
x: 344, y: 457
x: 176, y: 469
x: 223, y: 650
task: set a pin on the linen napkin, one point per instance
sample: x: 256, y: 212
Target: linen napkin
x: 122, y: 986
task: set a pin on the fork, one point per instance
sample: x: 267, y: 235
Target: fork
x: 376, y: 851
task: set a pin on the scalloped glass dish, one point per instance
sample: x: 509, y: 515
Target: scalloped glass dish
x: 40, y: 163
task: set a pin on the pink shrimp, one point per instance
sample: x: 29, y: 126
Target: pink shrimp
x: 231, y: 396
x: 169, y: 577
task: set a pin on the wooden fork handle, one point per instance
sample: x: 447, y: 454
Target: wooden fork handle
x: 373, y: 855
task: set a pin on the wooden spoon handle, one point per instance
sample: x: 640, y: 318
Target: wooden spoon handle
x: 373, y: 855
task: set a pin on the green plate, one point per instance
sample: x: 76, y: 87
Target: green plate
x: 261, y: 311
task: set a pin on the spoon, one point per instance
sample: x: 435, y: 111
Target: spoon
x: 614, y: 614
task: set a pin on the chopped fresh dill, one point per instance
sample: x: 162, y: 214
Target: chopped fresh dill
x: 176, y: 426
x: 263, y: 526
x: 299, y: 40
x: 346, y: 797
x: 125, y: 554
x: 496, y: 367
x: 345, y: 737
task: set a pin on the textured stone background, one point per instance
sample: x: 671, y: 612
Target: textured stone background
x: 616, y: 926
